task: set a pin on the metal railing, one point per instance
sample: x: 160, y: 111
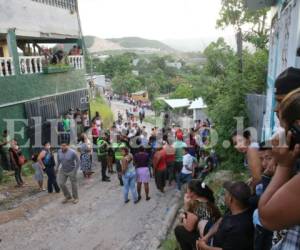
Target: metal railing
x: 6, y: 66
x: 64, y: 4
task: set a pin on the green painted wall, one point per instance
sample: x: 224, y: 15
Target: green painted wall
x: 15, y: 112
x: 26, y: 87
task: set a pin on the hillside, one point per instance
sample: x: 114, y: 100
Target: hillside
x: 115, y: 45
x: 137, y: 42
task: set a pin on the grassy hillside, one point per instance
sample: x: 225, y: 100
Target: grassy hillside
x: 136, y: 42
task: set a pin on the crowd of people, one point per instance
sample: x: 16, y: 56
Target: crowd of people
x: 264, y: 212
x: 126, y: 148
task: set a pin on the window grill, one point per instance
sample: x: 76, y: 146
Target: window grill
x: 64, y: 4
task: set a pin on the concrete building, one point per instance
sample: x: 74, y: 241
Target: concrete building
x: 199, y: 109
x: 34, y: 83
x: 284, y: 48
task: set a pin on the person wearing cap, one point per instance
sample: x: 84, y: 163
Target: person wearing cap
x: 285, y: 83
x: 235, y: 230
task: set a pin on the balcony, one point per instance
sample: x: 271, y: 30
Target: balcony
x: 39, y: 65
x: 31, y: 64
x: 6, y: 66
x: 64, y: 4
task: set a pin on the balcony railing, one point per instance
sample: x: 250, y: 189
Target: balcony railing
x: 34, y: 64
x: 6, y: 66
x: 31, y: 64
x: 76, y: 61
x: 65, y: 4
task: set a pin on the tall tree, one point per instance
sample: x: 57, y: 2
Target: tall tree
x: 234, y: 13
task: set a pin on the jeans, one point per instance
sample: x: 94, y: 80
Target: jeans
x: 129, y: 180
x: 18, y: 177
x: 119, y: 171
x: 103, y: 161
x: 262, y: 238
x: 52, y: 183
x: 62, y: 180
x: 182, y: 179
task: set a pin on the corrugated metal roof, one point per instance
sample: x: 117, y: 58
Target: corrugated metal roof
x: 177, y: 103
x: 198, y: 104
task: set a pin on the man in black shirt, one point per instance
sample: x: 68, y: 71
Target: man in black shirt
x: 235, y: 230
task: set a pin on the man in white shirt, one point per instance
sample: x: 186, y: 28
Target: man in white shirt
x: 186, y: 174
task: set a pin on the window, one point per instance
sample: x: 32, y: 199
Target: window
x: 1, y: 52
x: 64, y: 4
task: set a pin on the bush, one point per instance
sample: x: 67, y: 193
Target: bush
x: 98, y: 104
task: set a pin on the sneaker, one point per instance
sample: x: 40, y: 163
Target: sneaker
x: 75, y: 201
x: 127, y: 201
x: 106, y: 180
x: 148, y: 198
x: 66, y: 200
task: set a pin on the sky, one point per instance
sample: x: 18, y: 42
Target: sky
x: 152, y: 19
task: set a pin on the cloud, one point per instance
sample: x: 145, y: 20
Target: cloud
x: 154, y: 19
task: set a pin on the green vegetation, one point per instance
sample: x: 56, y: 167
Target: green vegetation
x: 98, y: 104
x: 223, y: 79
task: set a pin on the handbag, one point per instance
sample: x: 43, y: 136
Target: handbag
x: 21, y: 160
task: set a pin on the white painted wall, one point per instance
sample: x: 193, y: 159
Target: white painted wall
x: 33, y: 19
x: 284, y: 42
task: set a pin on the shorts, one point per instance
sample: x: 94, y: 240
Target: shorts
x: 143, y: 175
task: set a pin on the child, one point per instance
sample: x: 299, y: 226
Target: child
x: 38, y: 175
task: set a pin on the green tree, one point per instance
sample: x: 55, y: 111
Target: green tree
x: 184, y: 90
x: 234, y: 13
x: 126, y: 83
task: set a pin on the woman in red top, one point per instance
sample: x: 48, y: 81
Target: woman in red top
x: 170, y: 158
x: 160, y: 168
x: 95, y: 133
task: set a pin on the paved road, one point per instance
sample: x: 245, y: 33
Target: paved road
x: 100, y: 221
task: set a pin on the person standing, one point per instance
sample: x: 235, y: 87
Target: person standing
x: 102, y: 153
x: 85, y: 156
x: 128, y: 176
x: 179, y: 146
x: 47, y: 161
x: 69, y: 161
x: 38, y: 172
x: 141, y: 162
x: 160, y: 168
x: 117, y: 146
x: 186, y: 174
x: 16, y: 160
x: 170, y: 154
x: 4, y: 151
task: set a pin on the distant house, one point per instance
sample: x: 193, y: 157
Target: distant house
x: 177, y: 65
x: 135, y: 72
x: 198, y: 106
x: 140, y: 96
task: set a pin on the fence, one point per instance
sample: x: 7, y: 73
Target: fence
x: 256, y: 107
